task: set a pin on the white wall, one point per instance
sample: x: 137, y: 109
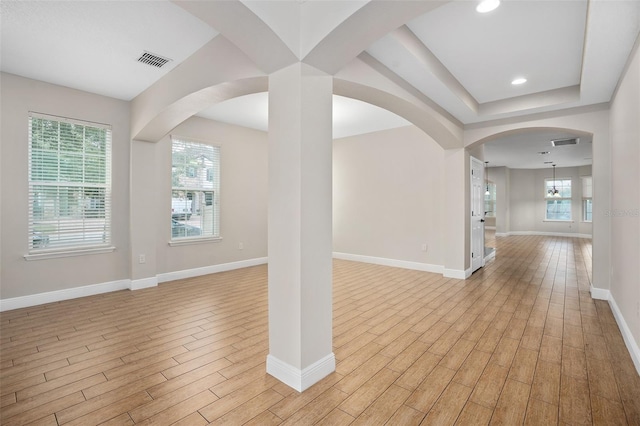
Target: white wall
x: 243, y: 197
x: 501, y: 177
x: 527, y: 203
x: 20, y: 277
x: 625, y: 198
x: 388, y: 190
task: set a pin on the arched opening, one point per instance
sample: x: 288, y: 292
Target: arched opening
x: 387, y: 180
x: 539, y: 181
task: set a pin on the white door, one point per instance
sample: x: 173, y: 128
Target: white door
x: 477, y: 214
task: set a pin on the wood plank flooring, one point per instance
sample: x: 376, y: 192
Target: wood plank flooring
x: 520, y: 342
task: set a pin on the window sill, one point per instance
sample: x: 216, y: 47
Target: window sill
x: 191, y: 241
x: 558, y: 220
x: 68, y: 253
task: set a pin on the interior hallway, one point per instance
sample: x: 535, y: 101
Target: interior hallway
x: 520, y: 341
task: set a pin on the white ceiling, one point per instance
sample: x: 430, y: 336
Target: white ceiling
x: 525, y: 150
x: 542, y: 41
x: 350, y: 117
x: 94, y: 45
x: 571, y: 51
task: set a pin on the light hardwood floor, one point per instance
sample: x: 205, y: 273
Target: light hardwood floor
x: 521, y: 341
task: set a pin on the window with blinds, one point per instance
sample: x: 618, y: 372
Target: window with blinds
x: 587, y: 198
x: 69, y: 184
x: 195, y: 190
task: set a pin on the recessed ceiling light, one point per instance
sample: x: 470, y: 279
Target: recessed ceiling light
x: 518, y: 81
x: 487, y: 6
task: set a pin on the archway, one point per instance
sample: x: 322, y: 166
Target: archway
x: 521, y: 168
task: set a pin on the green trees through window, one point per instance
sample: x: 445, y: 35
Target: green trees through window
x: 69, y: 183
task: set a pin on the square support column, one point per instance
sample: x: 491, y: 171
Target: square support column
x: 300, y: 226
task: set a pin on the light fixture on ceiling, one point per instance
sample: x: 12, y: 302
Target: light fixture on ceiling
x: 518, y: 81
x: 543, y: 152
x: 487, y: 192
x: 487, y: 6
x: 554, y: 192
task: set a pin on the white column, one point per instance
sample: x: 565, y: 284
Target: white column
x: 300, y: 220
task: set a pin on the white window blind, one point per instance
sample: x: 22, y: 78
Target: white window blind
x: 195, y: 190
x: 69, y: 184
x: 587, y: 187
x: 587, y: 198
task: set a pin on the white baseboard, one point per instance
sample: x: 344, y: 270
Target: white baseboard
x: 547, y: 234
x: 297, y: 379
x: 213, y: 269
x: 144, y: 283
x: 126, y: 284
x: 425, y: 267
x: 457, y: 273
x: 600, y: 293
x: 490, y: 256
x: 632, y: 345
x: 60, y: 295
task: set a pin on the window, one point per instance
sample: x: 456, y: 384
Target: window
x: 490, y: 201
x: 69, y: 184
x: 195, y: 190
x: 587, y: 195
x: 558, y: 204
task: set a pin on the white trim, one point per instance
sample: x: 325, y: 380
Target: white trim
x: 490, y: 256
x: 206, y: 270
x: 599, y: 293
x: 66, y: 294
x: 126, y: 284
x: 144, y: 283
x: 297, y: 379
x: 425, y: 267
x: 67, y: 253
x: 196, y: 240
x: 457, y: 273
x: 632, y: 345
x: 547, y: 234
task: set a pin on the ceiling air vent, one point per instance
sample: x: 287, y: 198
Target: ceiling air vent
x: 153, y: 60
x: 563, y: 142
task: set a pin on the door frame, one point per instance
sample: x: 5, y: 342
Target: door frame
x: 476, y: 217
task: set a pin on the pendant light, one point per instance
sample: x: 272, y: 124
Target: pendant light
x: 487, y: 192
x: 554, y: 192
